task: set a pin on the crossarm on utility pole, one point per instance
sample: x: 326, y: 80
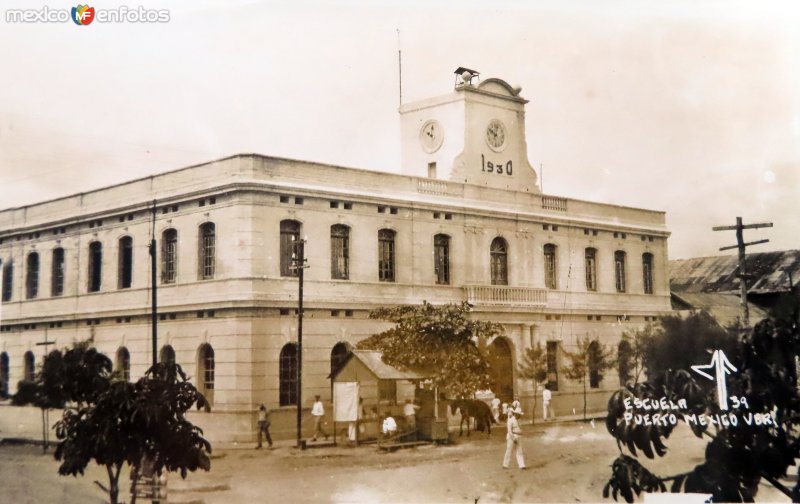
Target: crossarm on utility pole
x: 741, y: 245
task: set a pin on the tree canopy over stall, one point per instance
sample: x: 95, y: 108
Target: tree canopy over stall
x: 442, y: 339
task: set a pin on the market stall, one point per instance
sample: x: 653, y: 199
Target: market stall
x: 366, y: 391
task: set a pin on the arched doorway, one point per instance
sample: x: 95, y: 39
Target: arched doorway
x: 501, y: 369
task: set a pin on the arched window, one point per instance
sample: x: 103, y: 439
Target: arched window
x: 8, y: 280
x: 498, y: 253
x: 290, y: 233
x: 169, y: 256
x: 95, y: 266
x: 647, y: 272
x: 550, y: 266
x: 123, y: 363
x: 205, y: 371
x: 32, y: 276
x: 57, y: 273
x: 441, y: 259
x: 386, y: 256
x: 288, y: 375
x: 166, y: 355
x: 619, y: 270
x: 207, y: 253
x: 28, y: 369
x: 593, y: 361
x: 591, y: 269
x: 4, y: 375
x: 125, y: 268
x: 340, y: 252
x: 339, y: 355
x: 625, y: 362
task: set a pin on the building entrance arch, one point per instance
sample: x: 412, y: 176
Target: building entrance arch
x: 501, y: 369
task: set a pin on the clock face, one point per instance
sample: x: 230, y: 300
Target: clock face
x: 496, y: 135
x: 431, y: 136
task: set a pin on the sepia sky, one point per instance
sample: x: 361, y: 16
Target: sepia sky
x: 684, y: 106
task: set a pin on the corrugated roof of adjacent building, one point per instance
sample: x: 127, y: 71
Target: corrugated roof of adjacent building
x: 769, y: 273
x: 725, y: 308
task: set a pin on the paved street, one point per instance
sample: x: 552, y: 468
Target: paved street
x: 568, y: 463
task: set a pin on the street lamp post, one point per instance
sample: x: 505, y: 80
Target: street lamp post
x: 299, y: 264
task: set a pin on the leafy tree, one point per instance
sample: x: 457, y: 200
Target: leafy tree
x: 534, y: 367
x: 630, y: 353
x: 679, y: 343
x: 738, y: 455
x: 76, y: 375
x: 438, y: 339
x: 129, y: 423
x: 592, y: 357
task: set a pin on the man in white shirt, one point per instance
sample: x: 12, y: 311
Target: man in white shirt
x: 318, y: 412
x: 389, y: 425
x: 547, y: 396
x: 514, y: 439
x: 410, y: 412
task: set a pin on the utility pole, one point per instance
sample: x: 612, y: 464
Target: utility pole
x: 741, y: 245
x: 45, y: 411
x: 153, y: 286
x: 299, y: 265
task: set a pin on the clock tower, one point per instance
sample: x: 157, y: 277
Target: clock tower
x: 474, y: 135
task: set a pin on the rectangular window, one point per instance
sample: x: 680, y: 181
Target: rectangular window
x: 95, y: 266
x: 619, y: 270
x: 550, y: 266
x: 386, y: 255
x: 8, y: 280
x: 125, y: 262
x: 431, y: 170
x: 169, y: 256
x: 340, y: 252
x: 32, y: 276
x: 290, y: 235
x: 208, y: 245
x: 591, y: 269
x: 387, y: 391
x: 647, y: 272
x: 552, y: 365
x: 441, y: 259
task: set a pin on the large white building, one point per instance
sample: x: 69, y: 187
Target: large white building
x: 464, y: 221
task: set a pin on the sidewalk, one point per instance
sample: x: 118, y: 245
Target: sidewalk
x: 291, y: 444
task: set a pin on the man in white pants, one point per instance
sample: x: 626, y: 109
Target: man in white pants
x: 547, y: 396
x: 514, y: 439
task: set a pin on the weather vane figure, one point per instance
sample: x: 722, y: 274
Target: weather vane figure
x: 722, y: 367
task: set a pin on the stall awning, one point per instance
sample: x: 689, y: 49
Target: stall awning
x: 371, y: 359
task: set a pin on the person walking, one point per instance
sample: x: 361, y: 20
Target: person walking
x: 318, y: 412
x: 263, y: 426
x: 547, y: 396
x: 514, y: 439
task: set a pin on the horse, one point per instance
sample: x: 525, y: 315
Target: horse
x: 473, y: 408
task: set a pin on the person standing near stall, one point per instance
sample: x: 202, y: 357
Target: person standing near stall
x: 318, y: 412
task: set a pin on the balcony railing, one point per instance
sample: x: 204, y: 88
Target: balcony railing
x: 438, y: 187
x: 498, y: 295
x: 554, y: 203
